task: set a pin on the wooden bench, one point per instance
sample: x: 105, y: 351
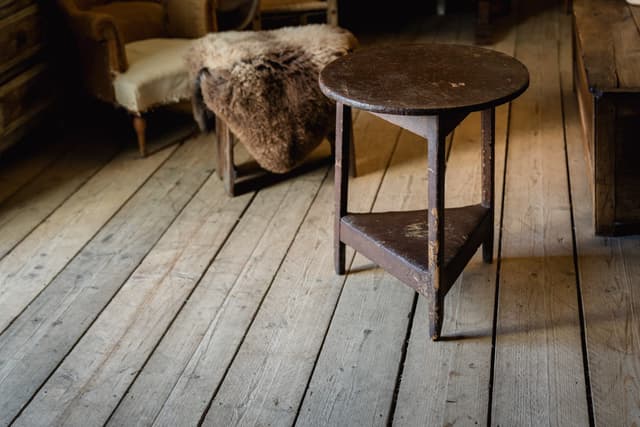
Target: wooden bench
x: 607, y: 84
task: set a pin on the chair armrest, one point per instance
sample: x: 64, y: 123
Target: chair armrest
x: 97, y: 27
x: 191, y: 18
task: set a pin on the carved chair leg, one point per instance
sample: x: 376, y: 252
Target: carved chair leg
x: 140, y: 126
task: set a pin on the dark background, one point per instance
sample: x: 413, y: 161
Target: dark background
x: 373, y: 15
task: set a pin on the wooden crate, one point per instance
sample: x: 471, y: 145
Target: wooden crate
x: 607, y: 84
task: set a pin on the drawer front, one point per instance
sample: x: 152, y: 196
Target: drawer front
x: 23, y: 98
x: 8, y: 7
x: 20, y: 37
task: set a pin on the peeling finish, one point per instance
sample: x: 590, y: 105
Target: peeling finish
x: 416, y: 230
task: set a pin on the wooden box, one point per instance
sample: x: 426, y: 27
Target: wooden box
x: 607, y: 85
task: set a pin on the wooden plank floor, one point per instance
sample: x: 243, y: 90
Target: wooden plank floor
x: 135, y: 292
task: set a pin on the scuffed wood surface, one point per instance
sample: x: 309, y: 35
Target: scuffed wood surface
x: 356, y: 370
x: 457, y: 391
x: 610, y: 43
x: 40, y: 338
x: 257, y: 336
x: 609, y: 277
x: 104, y: 362
x: 26, y: 209
x: 192, y: 358
x: 18, y: 168
x: 539, y: 372
x: 43, y: 254
x: 267, y: 379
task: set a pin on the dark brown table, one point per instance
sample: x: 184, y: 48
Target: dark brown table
x: 427, y: 89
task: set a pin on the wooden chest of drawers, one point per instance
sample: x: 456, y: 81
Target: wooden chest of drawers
x: 25, y: 93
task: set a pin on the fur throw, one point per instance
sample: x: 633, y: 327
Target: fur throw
x: 264, y: 85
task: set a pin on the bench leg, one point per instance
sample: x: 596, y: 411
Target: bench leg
x: 224, y: 148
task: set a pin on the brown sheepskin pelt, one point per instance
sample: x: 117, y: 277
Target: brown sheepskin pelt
x: 264, y: 85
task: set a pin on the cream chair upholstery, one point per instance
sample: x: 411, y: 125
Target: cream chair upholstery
x: 156, y: 75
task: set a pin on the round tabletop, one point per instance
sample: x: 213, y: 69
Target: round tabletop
x: 424, y: 79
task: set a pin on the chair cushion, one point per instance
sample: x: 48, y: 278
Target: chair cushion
x: 264, y: 85
x: 157, y: 74
x: 136, y: 20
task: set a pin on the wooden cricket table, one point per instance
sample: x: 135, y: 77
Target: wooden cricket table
x: 427, y: 89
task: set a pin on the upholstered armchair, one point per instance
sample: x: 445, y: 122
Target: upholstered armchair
x: 132, y: 51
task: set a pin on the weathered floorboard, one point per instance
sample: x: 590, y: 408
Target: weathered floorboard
x: 29, y: 206
x: 32, y: 264
x: 267, y: 379
x: 356, y: 371
x: 600, y: 59
x: 177, y: 383
x: 18, y: 170
x: 104, y: 362
x: 539, y: 372
x: 258, y: 340
x: 40, y: 338
x: 609, y: 277
x: 627, y: 47
x: 447, y: 382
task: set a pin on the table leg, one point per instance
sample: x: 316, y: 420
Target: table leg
x: 488, y: 178
x: 342, y: 146
x: 436, y: 170
x: 353, y: 171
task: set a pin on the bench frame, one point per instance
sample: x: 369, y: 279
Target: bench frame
x: 240, y: 179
